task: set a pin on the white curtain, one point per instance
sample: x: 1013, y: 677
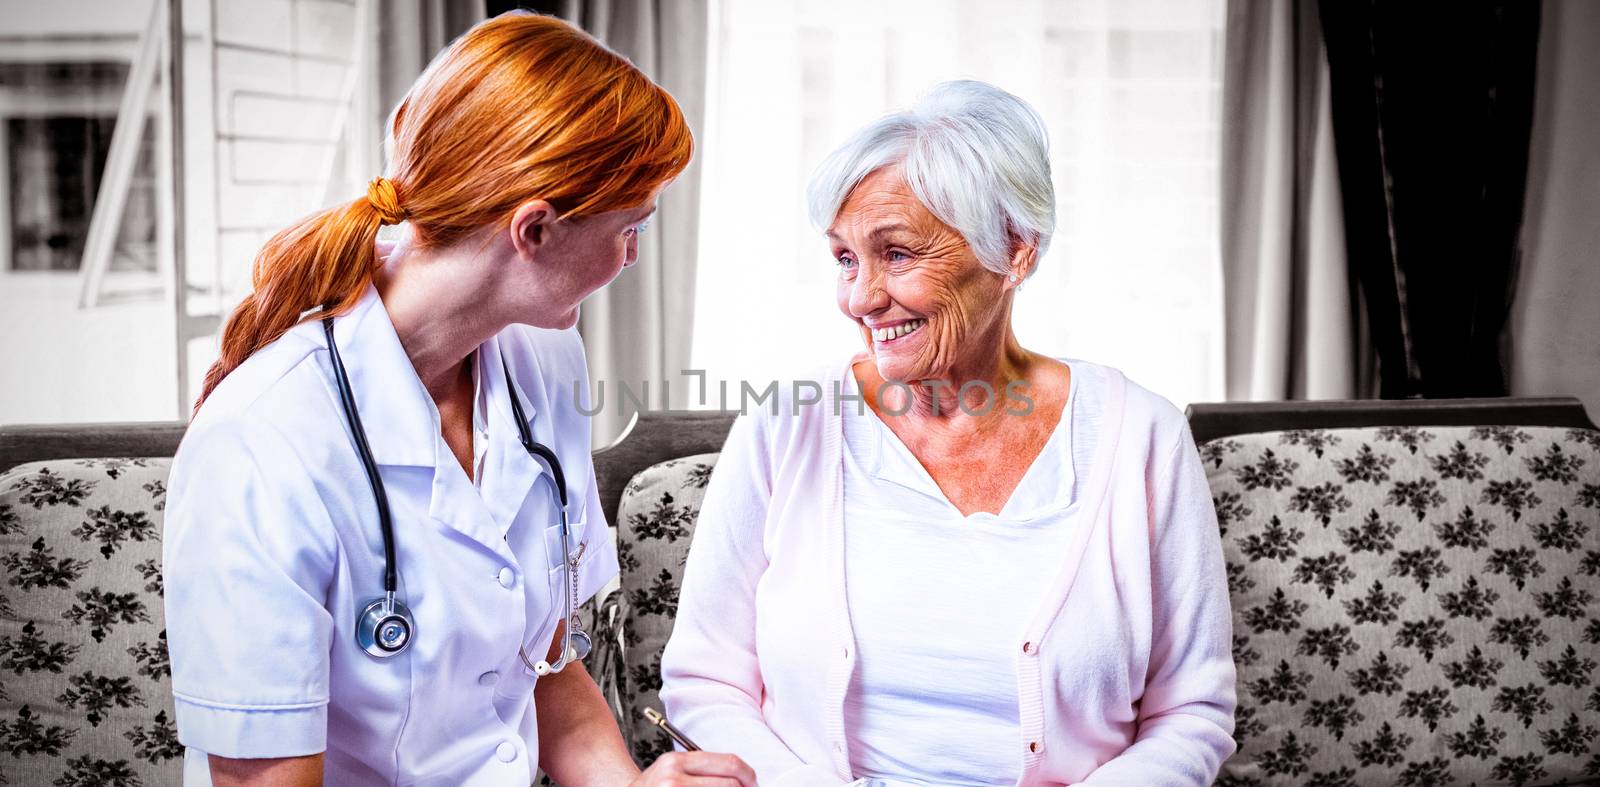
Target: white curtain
x: 1130, y: 92
x: 1290, y: 326
x: 410, y: 33
x: 1555, y: 319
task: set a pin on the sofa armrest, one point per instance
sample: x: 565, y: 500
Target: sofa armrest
x: 35, y: 443
x: 1211, y: 420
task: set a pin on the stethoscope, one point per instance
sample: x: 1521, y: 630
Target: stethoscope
x: 385, y: 627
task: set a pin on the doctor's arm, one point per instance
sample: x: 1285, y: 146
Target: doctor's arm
x: 579, y: 743
x: 245, y: 532
x: 1186, y: 713
x: 275, y: 772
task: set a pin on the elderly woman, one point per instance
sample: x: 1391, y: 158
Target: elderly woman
x: 992, y: 567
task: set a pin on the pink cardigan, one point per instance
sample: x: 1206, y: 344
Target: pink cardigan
x: 1125, y: 674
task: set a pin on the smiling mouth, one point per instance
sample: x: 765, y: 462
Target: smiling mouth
x: 894, y: 332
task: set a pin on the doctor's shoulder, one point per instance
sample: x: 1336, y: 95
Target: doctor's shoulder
x: 558, y: 352
x: 273, y: 372
x: 555, y: 358
x: 245, y: 509
x: 258, y: 432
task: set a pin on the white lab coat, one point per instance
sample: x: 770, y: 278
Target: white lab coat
x: 272, y: 546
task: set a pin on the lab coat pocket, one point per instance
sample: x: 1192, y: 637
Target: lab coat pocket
x: 552, y: 543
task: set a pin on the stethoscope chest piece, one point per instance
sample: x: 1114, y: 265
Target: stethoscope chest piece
x: 385, y: 628
x: 581, y: 644
x: 576, y: 647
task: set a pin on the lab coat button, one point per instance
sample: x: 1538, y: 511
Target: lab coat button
x: 506, y: 751
x: 507, y: 578
x: 488, y: 678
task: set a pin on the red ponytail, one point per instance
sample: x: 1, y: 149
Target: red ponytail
x: 520, y: 107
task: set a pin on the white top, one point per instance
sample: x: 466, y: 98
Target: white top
x: 1124, y: 669
x: 272, y: 546
x: 937, y: 599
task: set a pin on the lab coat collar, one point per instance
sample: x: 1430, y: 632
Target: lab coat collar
x: 492, y: 376
x: 509, y: 471
x: 400, y: 419
x: 403, y: 427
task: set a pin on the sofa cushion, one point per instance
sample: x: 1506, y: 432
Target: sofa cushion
x: 1413, y: 606
x: 655, y: 520
x: 85, y: 688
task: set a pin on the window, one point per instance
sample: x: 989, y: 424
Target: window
x: 58, y: 121
x: 279, y: 119
x: 1130, y: 92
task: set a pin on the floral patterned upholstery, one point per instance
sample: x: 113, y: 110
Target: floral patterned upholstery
x: 655, y: 519
x: 1413, y: 606
x: 85, y: 687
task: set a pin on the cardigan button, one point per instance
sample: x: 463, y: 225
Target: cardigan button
x: 1035, y: 747
x: 1029, y: 649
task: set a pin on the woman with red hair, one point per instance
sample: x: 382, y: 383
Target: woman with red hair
x: 372, y: 550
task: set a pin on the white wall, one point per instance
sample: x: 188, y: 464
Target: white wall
x: 114, y: 362
x: 70, y: 17
x: 1555, y: 322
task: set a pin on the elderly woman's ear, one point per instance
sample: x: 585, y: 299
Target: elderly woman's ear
x: 1022, y: 261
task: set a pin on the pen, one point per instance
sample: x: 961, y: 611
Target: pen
x: 654, y: 717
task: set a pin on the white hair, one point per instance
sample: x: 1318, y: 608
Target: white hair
x: 976, y: 156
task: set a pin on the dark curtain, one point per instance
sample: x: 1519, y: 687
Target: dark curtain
x: 1432, y: 110
x: 498, y: 7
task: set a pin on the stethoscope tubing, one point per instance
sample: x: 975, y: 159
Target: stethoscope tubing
x: 347, y: 398
x: 537, y: 449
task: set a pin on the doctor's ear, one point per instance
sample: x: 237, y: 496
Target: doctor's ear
x: 530, y: 227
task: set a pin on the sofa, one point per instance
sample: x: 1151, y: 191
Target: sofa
x: 1415, y: 587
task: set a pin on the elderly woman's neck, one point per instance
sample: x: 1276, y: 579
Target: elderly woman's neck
x: 972, y: 390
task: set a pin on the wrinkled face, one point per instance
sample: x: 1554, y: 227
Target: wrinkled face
x: 921, y: 298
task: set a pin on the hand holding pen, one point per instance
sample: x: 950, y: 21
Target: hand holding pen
x: 701, y: 767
